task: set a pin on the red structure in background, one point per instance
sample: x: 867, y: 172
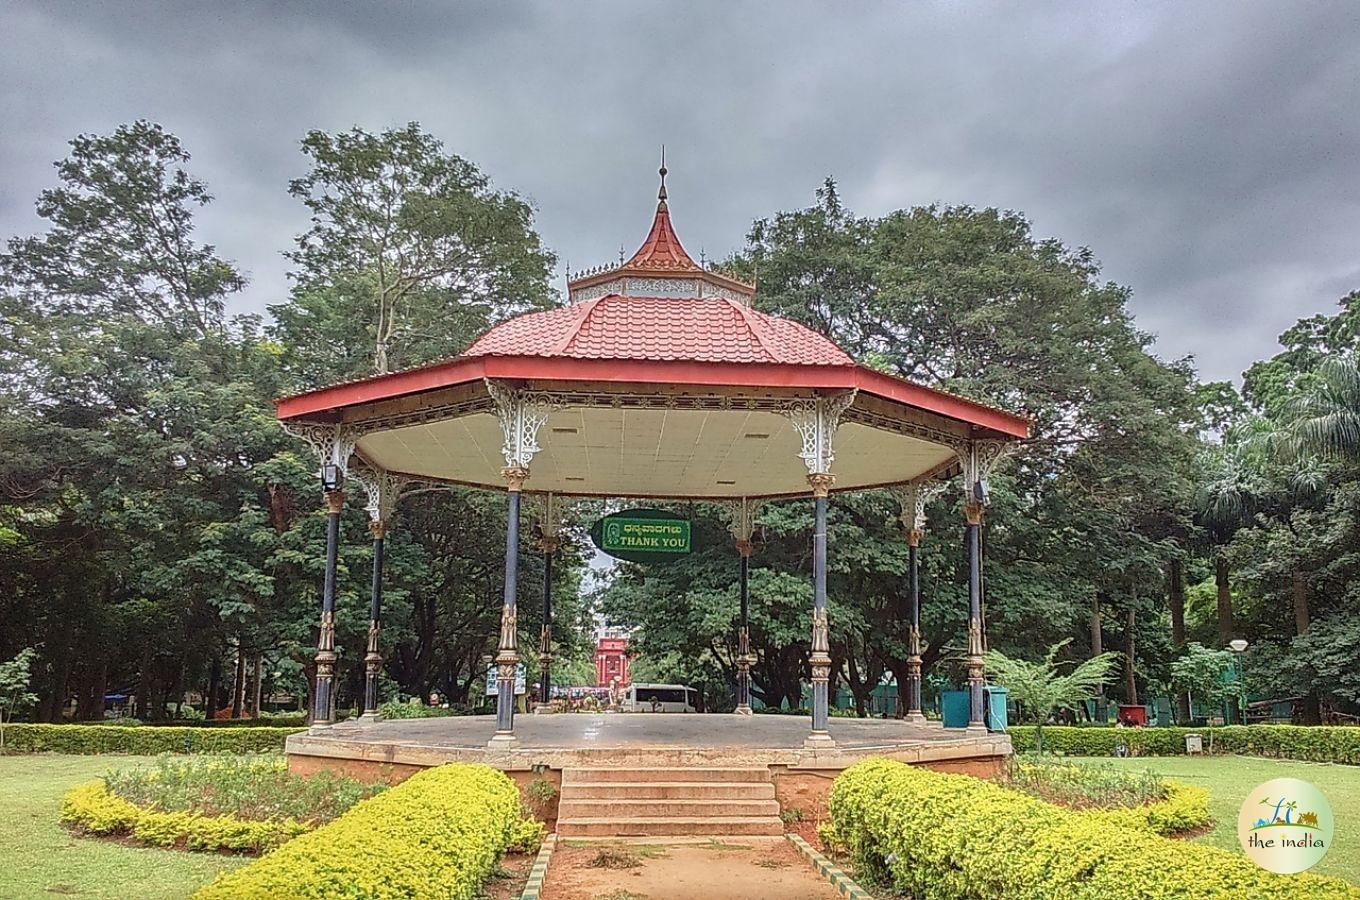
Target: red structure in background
x: 611, y: 661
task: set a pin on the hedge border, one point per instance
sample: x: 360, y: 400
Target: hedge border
x: 1309, y: 743
x: 1183, y: 808
x: 91, y: 809
x: 440, y: 833
x: 954, y: 837
x: 143, y: 740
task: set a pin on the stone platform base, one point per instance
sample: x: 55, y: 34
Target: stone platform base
x: 549, y: 744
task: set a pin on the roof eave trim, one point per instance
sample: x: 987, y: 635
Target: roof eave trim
x: 327, y: 401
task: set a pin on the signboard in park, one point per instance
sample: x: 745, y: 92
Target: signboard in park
x: 642, y: 535
x: 493, y: 687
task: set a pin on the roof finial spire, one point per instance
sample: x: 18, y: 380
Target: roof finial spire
x: 661, y: 194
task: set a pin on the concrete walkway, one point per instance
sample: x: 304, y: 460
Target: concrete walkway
x: 746, y: 868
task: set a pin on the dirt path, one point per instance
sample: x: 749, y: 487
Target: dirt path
x: 741, y: 867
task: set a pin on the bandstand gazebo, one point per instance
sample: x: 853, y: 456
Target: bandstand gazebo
x: 659, y: 380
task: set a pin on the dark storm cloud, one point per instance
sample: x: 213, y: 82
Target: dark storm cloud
x: 1208, y: 155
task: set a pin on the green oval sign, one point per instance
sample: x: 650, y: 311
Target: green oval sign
x: 642, y: 535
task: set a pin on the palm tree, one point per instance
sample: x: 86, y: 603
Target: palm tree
x: 1325, y: 417
x: 1040, y: 688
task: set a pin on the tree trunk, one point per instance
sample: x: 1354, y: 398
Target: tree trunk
x: 143, y: 707
x: 257, y: 686
x: 238, y: 685
x: 1097, y: 648
x: 1130, y: 652
x: 212, y: 700
x: 1176, y: 600
x: 1300, y: 596
x: 1225, y: 610
x: 1311, y: 712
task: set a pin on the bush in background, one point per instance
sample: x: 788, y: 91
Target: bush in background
x: 141, y: 740
x: 1313, y: 743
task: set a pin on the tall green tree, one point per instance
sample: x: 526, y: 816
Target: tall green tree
x: 410, y: 254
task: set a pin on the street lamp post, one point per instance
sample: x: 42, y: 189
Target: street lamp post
x: 1239, y: 647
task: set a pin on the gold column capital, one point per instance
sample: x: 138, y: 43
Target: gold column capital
x: 515, y: 476
x: 821, y: 483
x: 972, y: 512
x: 335, y: 501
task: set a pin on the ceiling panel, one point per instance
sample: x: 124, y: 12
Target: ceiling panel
x: 652, y: 452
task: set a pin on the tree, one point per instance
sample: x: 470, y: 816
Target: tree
x: 409, y: 255
x: 14, y: 693
x: 1040, y: 688
x: 1324, y: 419
x: 1206, y: 674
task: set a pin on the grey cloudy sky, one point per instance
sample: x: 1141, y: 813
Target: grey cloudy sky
x: 1209, y: 154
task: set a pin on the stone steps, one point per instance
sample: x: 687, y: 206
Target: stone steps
x: 667, y: 774
x: 671, y: 802
x: 596, y: 808
x: 674, y: 790
x: 671, y: 826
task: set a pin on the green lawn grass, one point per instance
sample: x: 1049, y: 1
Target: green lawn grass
x: 1230, y: 778
x: 39, y: 858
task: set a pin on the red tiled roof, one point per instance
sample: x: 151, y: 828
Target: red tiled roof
x: 662, y: 249
x: 708, y: 329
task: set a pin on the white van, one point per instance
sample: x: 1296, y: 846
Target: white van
x: 659, y: 698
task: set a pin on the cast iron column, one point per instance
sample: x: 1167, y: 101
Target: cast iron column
x: 373, y: 658
x: 507, y: 660
x: 820, y: 657
x: 744, y: 632
x: 549, y: 545
x: 323, y: 701
x: 914, y: 714
x: 977, y: 719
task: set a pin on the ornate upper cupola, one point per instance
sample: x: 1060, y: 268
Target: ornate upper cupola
x: 659, y: 268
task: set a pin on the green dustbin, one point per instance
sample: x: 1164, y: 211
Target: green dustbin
x: 994, y: 696
x: 954, y: 709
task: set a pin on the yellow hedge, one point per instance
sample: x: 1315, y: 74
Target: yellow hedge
x: 91, y: 808
x: 1184, y: 807
x: 439, y: 834
x: 952, y: 836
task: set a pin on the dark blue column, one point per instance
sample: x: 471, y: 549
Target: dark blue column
x: 507, y: 660
x: 973, y: 536
x: 373, y: 657
x: 323, y: 699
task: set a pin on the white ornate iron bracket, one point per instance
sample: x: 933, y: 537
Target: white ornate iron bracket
x: 332, y: 444
x: 522, y: 414
x: 743, y: 524
x: 914, y: 497
x: 816, y: 421
x: 382, y: 488
x: 978, y: 459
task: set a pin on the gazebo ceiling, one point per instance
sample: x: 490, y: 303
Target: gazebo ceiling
x: 659, y: 381
x: 662, y: 453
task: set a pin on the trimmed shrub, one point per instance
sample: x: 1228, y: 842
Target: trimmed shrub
x: 1184, y: 807
x: 91, y: 809
x: 1314, y: 743
x: 142, y: 740
x: 951, y: 837
x: 439, y: 833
